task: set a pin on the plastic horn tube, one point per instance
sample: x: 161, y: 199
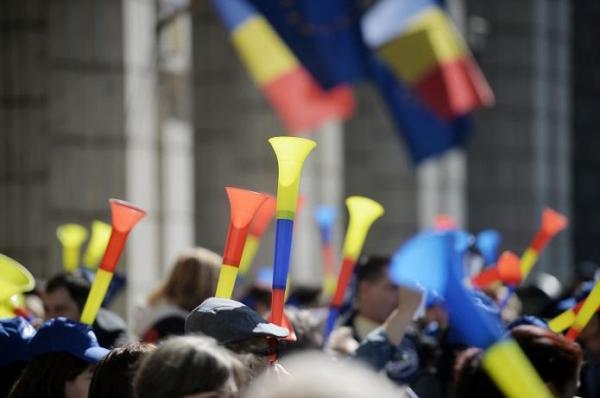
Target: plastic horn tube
x: 564, y: 320
x: 124, y: 217
x: 507, y: 271
x: 325, y: 217
x: 71, y: 236
x: 243, y: 206
x: 258, y: 227
x: 512, y: 372
x: 587, y: 310
x: 14, y: 278
x: 291, y: 152
x: 97, y: 244
x: 552, y: 223
x: 300, y: 205
x: 363, y: 212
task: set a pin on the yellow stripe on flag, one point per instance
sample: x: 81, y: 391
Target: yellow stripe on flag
x: 431, y: 40
x: 262, y: 51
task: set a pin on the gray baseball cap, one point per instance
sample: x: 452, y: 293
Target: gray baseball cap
x: 230, y: 321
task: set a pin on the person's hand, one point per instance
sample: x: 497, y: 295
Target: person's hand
x: 341, y: 341
x: 409, y: 299
x: 408, y: 303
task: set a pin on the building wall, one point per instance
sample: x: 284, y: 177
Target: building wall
x: 519, y: 158
x: 62, y: 118
x: 586, y: 119
x: 79, y: 118
x: 377, y: 166
x: 232, y: 123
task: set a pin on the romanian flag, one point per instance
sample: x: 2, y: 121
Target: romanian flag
x: 419, y: 43
x: 299, y: 101
x: 425, y: 134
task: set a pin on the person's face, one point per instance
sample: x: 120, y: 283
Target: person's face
x: 377, y: 298
x: 79, y: 386
x: 59, y: 303
x: 258, y: 345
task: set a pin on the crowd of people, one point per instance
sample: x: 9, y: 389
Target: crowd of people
x: 391, y: 341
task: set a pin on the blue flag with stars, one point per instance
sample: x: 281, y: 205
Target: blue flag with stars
x: 325, y: 36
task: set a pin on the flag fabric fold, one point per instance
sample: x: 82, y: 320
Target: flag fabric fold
x: 297, y: 98
x: 418, y: 42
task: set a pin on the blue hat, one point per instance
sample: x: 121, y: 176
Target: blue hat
x: 15, y: 334
x: 65, y: 335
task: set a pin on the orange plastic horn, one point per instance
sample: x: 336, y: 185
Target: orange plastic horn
x: 444, y: 222
x: 552, y: 223
x: 259, y: 225
x: 507, y: 271
x: 124, y: 217
x: 243, y: 207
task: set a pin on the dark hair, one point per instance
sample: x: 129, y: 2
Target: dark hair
x: 45, y: 375
x: 370, y: 268
x: 471, y: 379
x: 77, y: 287
x: 113, y: 376
x: 305, y: 296
x: 308, y: 330
x: 8, y: 375
x: 556, y: 359
x: 186, y: 365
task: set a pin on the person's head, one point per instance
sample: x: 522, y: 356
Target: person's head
x: 307, y: 328
x: 315, y: 375
x: 65, y: 296
x: 189, y: 366
x: 15, y: 334
x: 556, y: 360
x: 590, y: 337
x: 113, y: 375
x: 471, y: 379
x: 305, y: 296
x: 192, y: 280
x: 63, y: 354
x: 234, y: 325
x: 238, y: 328
x: 376, y: 294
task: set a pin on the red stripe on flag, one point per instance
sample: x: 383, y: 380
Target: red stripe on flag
x: 302, y: 105
x: 455, y: 88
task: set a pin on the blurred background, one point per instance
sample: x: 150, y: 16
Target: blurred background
x: 149, y: 101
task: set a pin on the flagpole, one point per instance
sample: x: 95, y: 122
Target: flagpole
x: 322, y: 184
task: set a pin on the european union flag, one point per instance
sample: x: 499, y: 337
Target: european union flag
x: 425, y: 134
x: 325, y: 36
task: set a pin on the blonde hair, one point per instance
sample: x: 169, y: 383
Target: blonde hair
x: 192, y: 280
